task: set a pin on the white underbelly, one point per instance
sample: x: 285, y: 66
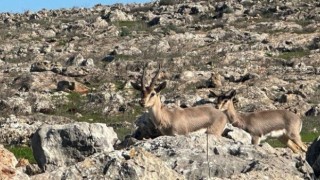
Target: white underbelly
x: 274, y: 134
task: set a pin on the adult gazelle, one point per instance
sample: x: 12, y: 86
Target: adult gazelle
x: 282, y: 124
x: 177, y: 121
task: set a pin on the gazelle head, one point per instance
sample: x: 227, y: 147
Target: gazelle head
x: 224, y: 101
x: 149, y: 94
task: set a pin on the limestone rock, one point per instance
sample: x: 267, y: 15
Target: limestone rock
x: 226, y: 158
x: 238, y: 135
x: 45, y: 66
x: 47, y: 33
x: 68, y: 86
x: 313, y: 156
x: 74, y: 71
x: 8, y: 164
x: 45, y: 81
x: 17, y: 130
x: 145, y: 128
x: 215, y: 80
x: 269, y: 51
x: 63, y: 145
x: 100, y: 23
x: 133, y: 164
x: 118, y: 15
x: 75, y: 61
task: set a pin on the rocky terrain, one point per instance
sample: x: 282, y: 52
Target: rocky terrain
x: 65, y: 66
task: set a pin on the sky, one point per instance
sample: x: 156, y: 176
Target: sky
x: 20, y: 6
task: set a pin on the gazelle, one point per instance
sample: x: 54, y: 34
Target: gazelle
x: 281, y: 124
x: 178, y: 121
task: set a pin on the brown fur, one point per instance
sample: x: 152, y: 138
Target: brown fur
x: 178, y: 121
x: 261, y: 123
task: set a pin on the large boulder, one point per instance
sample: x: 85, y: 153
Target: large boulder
x: 17, y: 130
x: 237, y: 134
x: 39, y: 81
x: 118, y: 15
x: 145, y: 128
x: 313, y: 156
x: 8, y: 164
x: 125, y: 164
x: 46, y: 66
x: 64, y: 145
x: 196, y: 157
x: 72, y: 86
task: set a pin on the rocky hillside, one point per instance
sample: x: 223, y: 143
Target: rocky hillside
x: 68, y: 65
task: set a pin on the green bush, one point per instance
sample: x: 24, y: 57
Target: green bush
x: 127, y: 27
x: 293, y: 54
x: 125, y: 32
x: 172, y: 27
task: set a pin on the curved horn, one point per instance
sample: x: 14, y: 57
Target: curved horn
x: 154, y: 79
x: 143, y: 78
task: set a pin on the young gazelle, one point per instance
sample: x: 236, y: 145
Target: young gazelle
x: 282, y: 124
x: 178, y: 121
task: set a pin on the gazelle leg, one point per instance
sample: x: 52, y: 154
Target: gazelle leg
x: 217, y: 127
x: 294, y: 135
x: 255, y: 140
x: 285, y: 140
x: 216, y: 135
x: 297, y: 139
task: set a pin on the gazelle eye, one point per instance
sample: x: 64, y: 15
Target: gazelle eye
x: 152, y: 94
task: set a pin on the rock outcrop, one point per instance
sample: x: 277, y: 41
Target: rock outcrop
x: 63, y: 145
x: 8, y: 163
x: 196, y: 156
x: 133, y: 164
x: 313, y: 156
x: 66, y: 65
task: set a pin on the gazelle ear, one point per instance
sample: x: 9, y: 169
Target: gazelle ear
x: 161, y: 87
x: 213, y: 94
x: 231, y: 94
x: 136, y: 86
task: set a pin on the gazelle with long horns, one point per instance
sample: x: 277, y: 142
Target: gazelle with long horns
x: 281, y: 124
x: 178, y: 121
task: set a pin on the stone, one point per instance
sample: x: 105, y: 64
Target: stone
x: 100, y: 23
x: 88, y: 62
x: 68, y: 86
x: 238, y: 135
x: 75, y: 71
x: 145, y: 128
x: 215, y: 80
x: 17, y: 130
x: 313, y: 156
x: 118, y: 15
x: 313, y: 111
x: 190, y: 155
x: 44, y: 81
x: 268, y: 52
x: 135, y: 163
x: 8, y: 164
x: 63, y: 145
x: 75, y: 61
x: 47, y: 33
x: 45, y: 66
